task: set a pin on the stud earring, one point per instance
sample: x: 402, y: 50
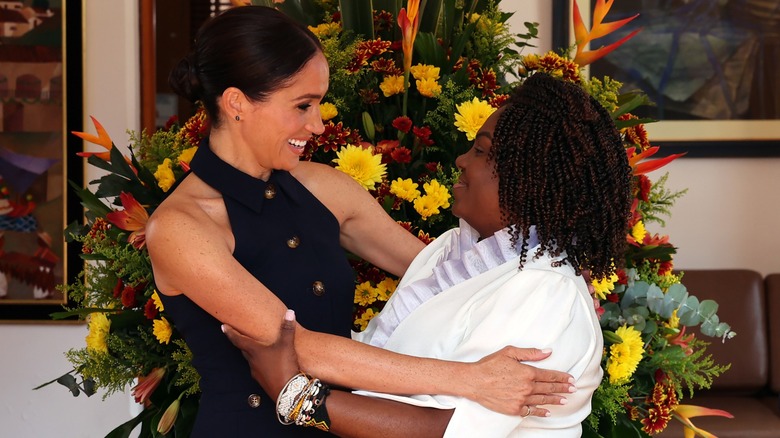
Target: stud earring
x: 238, y: 118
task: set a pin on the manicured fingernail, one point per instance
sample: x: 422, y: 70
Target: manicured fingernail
x: 572, y: 388
x: 564, y: 401
x: 289, y: 315
x: 547, y: 414
x: 546, y: 350
x: 572, y: 381
x: 222, y: 327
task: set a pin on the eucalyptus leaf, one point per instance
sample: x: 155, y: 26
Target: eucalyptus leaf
x: 689, y: 312
x: 635, y: 295
x: 655, y: 300
x: 707, y: 308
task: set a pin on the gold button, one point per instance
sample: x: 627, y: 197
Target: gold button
x: 318, y: 288
x: 270, y: 191
x: 253, y: 400
x: 293, y: 242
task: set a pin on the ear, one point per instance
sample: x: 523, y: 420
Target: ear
x: 233, y: 102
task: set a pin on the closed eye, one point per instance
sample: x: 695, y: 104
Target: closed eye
x: 304, y: 106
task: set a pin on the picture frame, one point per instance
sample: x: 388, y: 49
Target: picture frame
x: 705, y: 113
x: 41, y: 86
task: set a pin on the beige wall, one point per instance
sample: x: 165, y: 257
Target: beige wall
x: 728, y: 219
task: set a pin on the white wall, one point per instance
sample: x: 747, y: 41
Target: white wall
x: 728, y: 219
x: 33, y: 354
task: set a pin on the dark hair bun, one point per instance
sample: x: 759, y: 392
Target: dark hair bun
x: 184, y: 80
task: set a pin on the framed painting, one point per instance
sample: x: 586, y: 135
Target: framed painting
x: 709, y: 67
x: 41, y: 97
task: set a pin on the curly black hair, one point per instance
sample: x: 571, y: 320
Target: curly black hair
x: 562, y: 168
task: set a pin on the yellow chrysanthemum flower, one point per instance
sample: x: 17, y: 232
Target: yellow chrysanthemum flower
x: 638, y: 232
x: 424, y: 71
x: 385, y: 288
x: 365, y: 318
x: 326, y: 30
x: 157, y: 301
x: 361, y: 164
x: 97, y: 339
x: 162, y: 330
x: 438, y: 192
x: 328, y: 111
x: 604, y: 286
x: 427, y: 206
x: 405, y: 189
x: 471, y: 116
x: 186, y: 155
x: 365, y: 294
x: 428, y: 87
x: 164, y: 175
x: 392, y: 85
x: 624, y: 357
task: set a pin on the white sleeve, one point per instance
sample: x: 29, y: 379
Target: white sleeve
x: 542, y: 309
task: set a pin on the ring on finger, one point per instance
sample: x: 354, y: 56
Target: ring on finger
x: 527, y: 412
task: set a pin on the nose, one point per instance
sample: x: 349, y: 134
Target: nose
x: 460, y: 162
x: 315, y: 123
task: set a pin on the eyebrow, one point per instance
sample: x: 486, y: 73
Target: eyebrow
x: 309, y: 96
x: 485, y: 134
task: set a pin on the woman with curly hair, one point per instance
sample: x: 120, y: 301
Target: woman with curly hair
x: 544, y: 194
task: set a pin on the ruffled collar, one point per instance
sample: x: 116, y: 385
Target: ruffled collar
x: 464, y: 257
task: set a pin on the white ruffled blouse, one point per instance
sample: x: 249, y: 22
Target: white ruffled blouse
x: 462, y: 299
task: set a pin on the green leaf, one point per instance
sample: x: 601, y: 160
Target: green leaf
x: 707, y: 308
x: 68, y: 381
x: 358, y: 16
x: 655, y: 300
x: 125, y: 429
x: 430, y: 51
x: 431, y: 11
x: 689, y: 312
x: 90, y: 201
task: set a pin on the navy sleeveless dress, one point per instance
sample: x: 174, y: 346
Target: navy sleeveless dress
x: 289, y: 241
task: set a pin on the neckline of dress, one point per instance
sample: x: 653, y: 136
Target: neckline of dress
x: 232, y: 182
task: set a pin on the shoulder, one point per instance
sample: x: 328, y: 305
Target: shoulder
x: 335, y: 189
x: 193, y: 210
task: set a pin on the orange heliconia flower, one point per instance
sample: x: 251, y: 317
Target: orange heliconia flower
x: 683, y: 413
x: 101, y: 139
x: 599, y: 29
x: 409, y: 21
x: 132, y: 218
x: 648, y: 166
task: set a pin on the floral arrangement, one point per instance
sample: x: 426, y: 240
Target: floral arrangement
x: 409, y: 89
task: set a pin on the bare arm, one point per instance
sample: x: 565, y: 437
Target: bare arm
x: 191, y: 254
x: 350, y: 415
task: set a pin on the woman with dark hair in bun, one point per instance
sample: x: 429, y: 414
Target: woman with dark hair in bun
x: 253, y: 231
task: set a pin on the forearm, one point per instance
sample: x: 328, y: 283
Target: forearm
x: 354, y: 416
x: 351, y: 364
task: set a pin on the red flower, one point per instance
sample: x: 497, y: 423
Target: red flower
x: 150, y: 310
x: 401, y: 155
x: 386, y: 67
x: 425, y: 237
x: 424, y: 134
x: 432, y: 167
x: 117, y: 292
x: 656, y: 420
x: 498, y: 100
x: 147, y: 384
x: 128, y: 297
x: 683, y: 341
x: 643, y: 186
x: 132, y: 218
x: 403, y: 124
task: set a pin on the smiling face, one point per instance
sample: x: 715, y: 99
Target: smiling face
x: 277, y: 129
x: 476, y: 192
